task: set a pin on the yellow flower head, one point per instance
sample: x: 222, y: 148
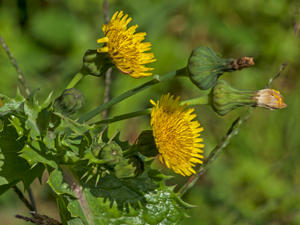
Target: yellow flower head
x: 125, y: 47
x: 176, y: 135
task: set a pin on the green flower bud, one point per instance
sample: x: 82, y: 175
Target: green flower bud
x: 112, y: 152
x: 146, y: 144
x: 225, y: 98
x: 69, y: 102
x: 96, y: 148
x: 129, y: 167
x: 204, y: 66
x: 97, y: 63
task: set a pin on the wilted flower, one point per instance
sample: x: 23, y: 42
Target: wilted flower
x: 225, y: 98
x: 270, y: 99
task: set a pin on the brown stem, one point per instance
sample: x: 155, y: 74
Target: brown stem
x: 22, y: 198
x: 15, y: 64
x: 38, y: 219
x: 108, y: 73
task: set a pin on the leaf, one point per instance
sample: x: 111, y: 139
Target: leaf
x: 58, y: 183
x: 78, y: 128
x: 32, y: 107
x: 123, y: 144
x: 11, y: 104
x: 13, y: 168
x: 65, y: 215
x: 36, y: 152
x: 141, y: 200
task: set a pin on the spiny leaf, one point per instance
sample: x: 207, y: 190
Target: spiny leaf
x: 11, y: 104
x: 59, y: 184
x: 78, y: 128
x: 13, y: 168
x: 65, y: 215
x: 32, y: 107
x: 141, y: 200
x: 18, y: 123
x: 36, y: 152
x: 123, y: 144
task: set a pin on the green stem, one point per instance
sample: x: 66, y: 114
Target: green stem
x: 127, y: 152
x: 157, y: 79
x: 197, y: 101
x: 125, y: 116
x: 203, y: 100
x: 77, y: 78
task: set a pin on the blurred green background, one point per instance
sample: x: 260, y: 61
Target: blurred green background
x: 256, y: 178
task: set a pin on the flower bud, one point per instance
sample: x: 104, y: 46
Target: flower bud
x: 129, y: 167
x: 146, y: 144
x: 97, y: 63
x: 112, y: 152
x: 69, y: 102
x: 205, y: 66
x: 225, y: 98
x: 96, y: 148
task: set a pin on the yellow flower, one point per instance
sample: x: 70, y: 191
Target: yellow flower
x: 125, y: 47
x: 176, y: 135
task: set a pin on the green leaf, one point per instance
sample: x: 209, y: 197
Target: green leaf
x: 141, y: 200
x: 65, y: 215
x: 73, y: 125
x: 13, y: 168
x: 32, y: 107
x: 123, y: 144
x: 36, y: 152
x: 11, y: 104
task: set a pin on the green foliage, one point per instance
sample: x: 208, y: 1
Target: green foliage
x: 34, y: 137
x: 141, y: 200
x: 256, y: 179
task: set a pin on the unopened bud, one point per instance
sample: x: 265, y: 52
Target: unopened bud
x: 112, y: 152
x: 96, y: 148
x: 97, y: 63
x: 146, y: 144
x: 129, y: 167
x: 205, y: 66
x: 69, y: 102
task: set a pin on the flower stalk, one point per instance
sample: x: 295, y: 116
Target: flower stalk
x: 157, y: 79
x: 83, y: 72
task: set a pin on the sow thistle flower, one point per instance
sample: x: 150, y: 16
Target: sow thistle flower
x: 176, y: 135
x: 125, y: 48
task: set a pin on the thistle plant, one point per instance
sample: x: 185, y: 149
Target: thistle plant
x: 99, y: 179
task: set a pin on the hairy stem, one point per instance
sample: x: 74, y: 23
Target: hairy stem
x: 15, y: 64
x: 108, y: 73
x: 22, y: 198
x: 75, y: 185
